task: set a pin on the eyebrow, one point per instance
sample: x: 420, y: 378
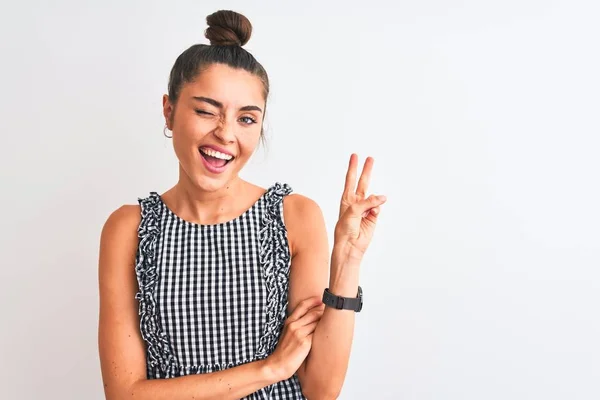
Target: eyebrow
x: 218, y: 104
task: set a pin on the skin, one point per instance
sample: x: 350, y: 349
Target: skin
x: 316, y: 341
x: 200, y: 195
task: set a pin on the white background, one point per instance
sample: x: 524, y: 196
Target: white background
x: 483, y: 278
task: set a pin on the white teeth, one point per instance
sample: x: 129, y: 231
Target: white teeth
x: 216, y: 154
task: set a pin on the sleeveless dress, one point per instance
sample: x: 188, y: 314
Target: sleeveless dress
x: 212, y: 297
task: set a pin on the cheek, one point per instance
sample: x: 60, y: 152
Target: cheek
x: 185, y: 136
x: 249, y: 141
x: 192, y: 129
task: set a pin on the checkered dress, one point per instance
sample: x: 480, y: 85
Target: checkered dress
x: 212, y: 297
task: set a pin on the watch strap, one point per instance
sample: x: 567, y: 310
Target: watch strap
x: 343, y: 303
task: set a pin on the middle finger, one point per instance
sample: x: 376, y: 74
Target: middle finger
x: 365, y: 177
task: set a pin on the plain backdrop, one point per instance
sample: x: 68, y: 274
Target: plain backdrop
x: 482, y: 281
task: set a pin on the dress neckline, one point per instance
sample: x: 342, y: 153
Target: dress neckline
x: 205, y: 226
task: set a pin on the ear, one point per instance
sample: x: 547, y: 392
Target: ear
x: 168, y: 111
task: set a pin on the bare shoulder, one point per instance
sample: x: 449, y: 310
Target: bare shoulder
x: 298, y: 206
x: 124, y: 217
x: 119, y: 238
x: 122, y: 222
x: 304, y: 221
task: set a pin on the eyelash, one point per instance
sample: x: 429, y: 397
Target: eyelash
x: 251, y: 119
x: 200, y: 112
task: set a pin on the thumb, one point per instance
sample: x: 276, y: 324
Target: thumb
x: 367, y: 204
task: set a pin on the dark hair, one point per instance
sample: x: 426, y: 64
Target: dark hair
x: 227, y: 32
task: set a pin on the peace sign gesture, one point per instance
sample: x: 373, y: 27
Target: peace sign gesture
x: 358, y: 215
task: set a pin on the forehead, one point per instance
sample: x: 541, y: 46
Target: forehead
x: 233, y: 87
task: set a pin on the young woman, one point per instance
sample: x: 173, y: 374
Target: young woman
x: 223, y: 287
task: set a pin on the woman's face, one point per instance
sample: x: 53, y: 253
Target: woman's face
x: 216, y: 125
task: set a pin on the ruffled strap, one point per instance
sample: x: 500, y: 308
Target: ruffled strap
x: 275, y: 260
x: 158, y: 349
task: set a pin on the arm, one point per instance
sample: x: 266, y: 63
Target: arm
x: 122, y: 350
x: 323, y: 372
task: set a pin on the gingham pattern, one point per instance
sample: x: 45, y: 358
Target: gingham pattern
x: 213, y: 296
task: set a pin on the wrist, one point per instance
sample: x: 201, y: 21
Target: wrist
x: 344, y: 277
x: 345, y: 253
x: 272, y: 370
x: 344, y: 287
x: 343, y: 262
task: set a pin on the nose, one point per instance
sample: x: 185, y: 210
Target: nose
x: 225, y: 132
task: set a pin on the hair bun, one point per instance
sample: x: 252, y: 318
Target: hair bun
x: 228, y: 28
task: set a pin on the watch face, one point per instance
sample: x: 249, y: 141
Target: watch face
x: 360, y: 297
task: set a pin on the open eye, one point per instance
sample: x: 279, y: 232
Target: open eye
x: 248, y: 120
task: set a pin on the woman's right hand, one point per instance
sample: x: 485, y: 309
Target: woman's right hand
x: 296, y: 338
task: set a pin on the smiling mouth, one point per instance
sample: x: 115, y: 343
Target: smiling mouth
x: 215, y: 158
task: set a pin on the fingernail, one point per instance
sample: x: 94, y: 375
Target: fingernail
x: 381, y: 198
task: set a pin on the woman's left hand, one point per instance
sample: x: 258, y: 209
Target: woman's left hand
x: 358, y: 214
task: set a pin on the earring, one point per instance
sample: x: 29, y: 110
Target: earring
x: 165, y: 132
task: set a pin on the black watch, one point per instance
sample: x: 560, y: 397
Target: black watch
x: 343, y: 303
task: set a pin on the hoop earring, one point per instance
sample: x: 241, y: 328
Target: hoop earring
x: 165, y: 132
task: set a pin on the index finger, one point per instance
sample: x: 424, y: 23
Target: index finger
x: 305, y: 306
x: 351, y: 175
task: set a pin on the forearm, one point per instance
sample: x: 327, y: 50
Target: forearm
x: 327, y: 362
x: 232, y: 383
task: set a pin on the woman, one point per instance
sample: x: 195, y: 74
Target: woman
x: 218, y: 284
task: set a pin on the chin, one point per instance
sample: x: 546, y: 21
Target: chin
x: 208, y: 183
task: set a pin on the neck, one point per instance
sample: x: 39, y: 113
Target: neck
x: 206, y: 207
